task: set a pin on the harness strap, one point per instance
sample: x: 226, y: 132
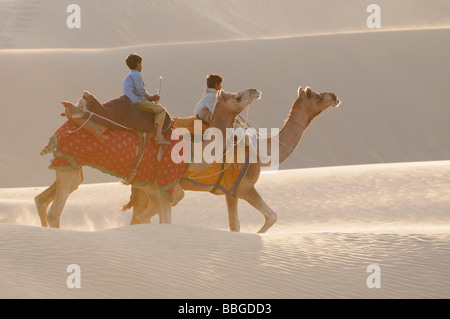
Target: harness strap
x: 222, y: 172
x: 138, y: 162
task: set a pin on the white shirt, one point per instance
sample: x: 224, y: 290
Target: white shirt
x: 208, y: 101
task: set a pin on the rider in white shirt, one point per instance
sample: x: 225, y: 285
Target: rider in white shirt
x: 204, y: 108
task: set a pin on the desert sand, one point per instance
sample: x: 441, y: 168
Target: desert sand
x: 333, y: 223
x: 369, y: 183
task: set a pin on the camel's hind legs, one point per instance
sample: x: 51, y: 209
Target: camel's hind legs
x: 233, y: 218
x: 143, y: 208
x: 66, y: 183
x: 254, y: 199
x: 162, y: 204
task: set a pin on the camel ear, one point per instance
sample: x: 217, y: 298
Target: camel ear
x: 299, y: 91
x: 308, y: 92
x: 222, y: 94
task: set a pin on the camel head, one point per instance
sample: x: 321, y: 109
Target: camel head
x: 237, y: 102
x: 229, y: 105
x: 314, y: 103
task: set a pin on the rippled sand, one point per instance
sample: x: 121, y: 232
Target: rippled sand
x: 333, y: 223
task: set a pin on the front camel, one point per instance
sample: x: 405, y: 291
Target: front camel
x: 70, y: 176
x: 305, y: 108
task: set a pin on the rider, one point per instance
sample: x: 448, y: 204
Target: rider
x: 204, y: 108
x: 133, y: 87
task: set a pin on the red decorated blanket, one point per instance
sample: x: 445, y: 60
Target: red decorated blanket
x: 114, y: 154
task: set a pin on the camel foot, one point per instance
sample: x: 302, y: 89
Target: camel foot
x: 235, y: 229
x: 53, y: 222
x: 269, y: 223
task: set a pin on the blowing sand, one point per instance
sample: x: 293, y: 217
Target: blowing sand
x: 335, y: 216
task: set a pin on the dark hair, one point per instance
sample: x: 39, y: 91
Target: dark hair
x: 132, y: 60
x: 212, y: 80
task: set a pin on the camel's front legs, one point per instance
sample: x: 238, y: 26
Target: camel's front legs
x: 233, y: 218
x: 66, y: 183
x: 254, y: 199
x: 42, y: 202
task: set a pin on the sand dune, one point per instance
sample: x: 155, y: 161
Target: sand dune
x: 393, y: 106
x: 154, y: 261
x: 391, y: 82
x: 333, y: 223
x: 374, y: 197
x: 335, y: 218
x: 42, y: 24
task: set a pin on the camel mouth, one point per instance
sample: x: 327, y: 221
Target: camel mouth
x: 256, y: 95
x: 338, y: 102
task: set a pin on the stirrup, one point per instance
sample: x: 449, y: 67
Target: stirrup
x: 163, y: 142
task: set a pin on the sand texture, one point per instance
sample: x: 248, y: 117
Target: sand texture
x: 368, y: 185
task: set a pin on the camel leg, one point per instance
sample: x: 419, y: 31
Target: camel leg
x: 140, y: 204
x: 162, y: 204
x: 165, y: 211
x: 178, y: 194
x: 66, y: 183
x: 233, y: 219
x: 42, y: 202
x: 145, y: 217
x: 254, y: 199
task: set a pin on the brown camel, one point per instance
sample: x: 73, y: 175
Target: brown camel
x: 306, y: 107
x: 228, y: 105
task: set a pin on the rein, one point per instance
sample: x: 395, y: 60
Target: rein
x: 254, y: 125
x: 224, y: 168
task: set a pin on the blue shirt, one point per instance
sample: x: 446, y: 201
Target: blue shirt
x: 133, y: 87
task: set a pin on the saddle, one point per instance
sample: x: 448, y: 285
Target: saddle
x: 76, y: 114
x: 89, y: 120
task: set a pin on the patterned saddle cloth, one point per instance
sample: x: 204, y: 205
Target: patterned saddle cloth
x: 224, y: 176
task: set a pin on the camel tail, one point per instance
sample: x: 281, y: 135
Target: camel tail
x: 127, y: 206
x: 130, y: 203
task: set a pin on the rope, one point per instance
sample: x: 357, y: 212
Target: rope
x: 226, y: 151
x: 70, y: 132
x: 111, y: 121
x: 289, y: 148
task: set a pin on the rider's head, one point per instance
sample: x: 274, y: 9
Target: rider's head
x: 134, y: 61
x: 214, y: 81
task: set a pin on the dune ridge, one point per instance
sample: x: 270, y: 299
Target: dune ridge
x: 150, y: 45
x: 352, y: 66
x: 336, y: 217
x: 37, y: 24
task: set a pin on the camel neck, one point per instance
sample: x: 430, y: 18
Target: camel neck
x: 292, y: 132
x: 222, y: 119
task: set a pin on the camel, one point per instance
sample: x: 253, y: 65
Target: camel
x: 306, y: 107
x: 228, y: 105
